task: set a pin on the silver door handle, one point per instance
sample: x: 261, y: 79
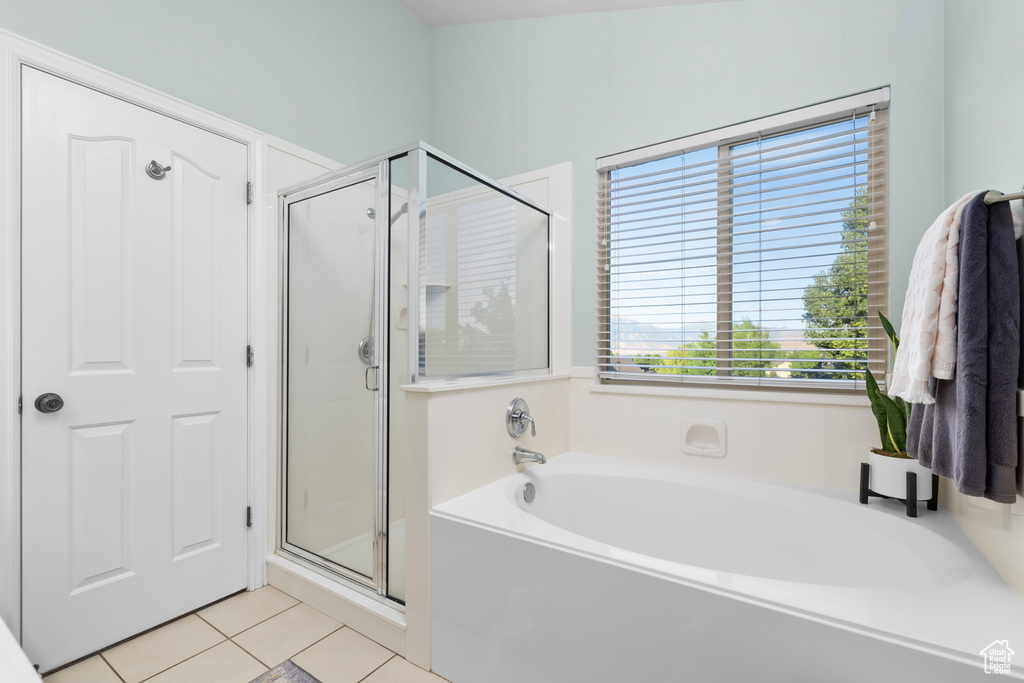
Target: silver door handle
x: 366, y: 378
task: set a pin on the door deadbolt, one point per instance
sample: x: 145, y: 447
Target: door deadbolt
x: 49, y: 403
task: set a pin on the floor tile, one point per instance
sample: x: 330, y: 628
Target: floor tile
x: 397, y: 670
x: 224, y: 663
x: 286, y: 634
x: 92, y: 670
x: 343, y: 657
x: 234, y: 615
x: 151, y: 653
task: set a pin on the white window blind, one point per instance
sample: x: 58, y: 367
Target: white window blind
x: 757, y: 257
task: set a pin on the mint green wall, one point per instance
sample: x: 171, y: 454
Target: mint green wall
x: 507, y: 97
x: 346, y: 78
x: 984, y: 84
x: 351, y: 79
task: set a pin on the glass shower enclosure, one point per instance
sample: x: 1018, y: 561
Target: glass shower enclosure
x: 406, y: 268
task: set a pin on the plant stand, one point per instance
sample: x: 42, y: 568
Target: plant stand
x: 910, y: 501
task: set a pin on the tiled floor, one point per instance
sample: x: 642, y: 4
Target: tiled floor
x: 241, y: 638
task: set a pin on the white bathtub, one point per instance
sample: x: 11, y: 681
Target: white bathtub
x: 621, y: 571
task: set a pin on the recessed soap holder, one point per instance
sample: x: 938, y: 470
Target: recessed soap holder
x: 698, y: 436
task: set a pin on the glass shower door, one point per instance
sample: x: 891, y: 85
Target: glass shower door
x: 332, y: 375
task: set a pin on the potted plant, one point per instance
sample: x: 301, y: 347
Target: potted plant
x: 890, y: 463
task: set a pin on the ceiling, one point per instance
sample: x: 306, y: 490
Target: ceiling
x: 448, y: 12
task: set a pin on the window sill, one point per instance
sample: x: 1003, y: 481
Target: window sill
x: 477, y: 383
x: 714, y: 394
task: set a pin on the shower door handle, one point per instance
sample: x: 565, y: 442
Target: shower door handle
x: 366, y: 378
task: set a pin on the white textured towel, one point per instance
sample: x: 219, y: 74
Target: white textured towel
x: 928, y: 327
x: 944, y: 354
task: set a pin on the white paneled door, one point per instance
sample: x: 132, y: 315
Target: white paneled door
x: 134, y: 315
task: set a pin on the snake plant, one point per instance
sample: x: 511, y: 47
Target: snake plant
x: 891, y: 412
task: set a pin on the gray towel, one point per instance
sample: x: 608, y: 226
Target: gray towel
x: 970, y: 433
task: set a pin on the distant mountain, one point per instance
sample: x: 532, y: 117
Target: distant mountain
x: 632, y: 336
x: 790, y: 340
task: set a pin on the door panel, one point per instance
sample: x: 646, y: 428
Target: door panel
x: 195, y: 266
x: 195, y: 505
x: 134, y: 311
x: 101, y: 547
x: 101, y: 255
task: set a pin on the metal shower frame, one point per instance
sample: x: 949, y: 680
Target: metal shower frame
x: 379, y: 168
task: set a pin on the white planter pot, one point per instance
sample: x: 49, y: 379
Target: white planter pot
x: 889, y: 476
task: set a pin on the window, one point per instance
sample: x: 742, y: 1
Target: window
x: 750, y: 255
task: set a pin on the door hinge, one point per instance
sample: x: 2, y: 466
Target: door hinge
x: 248, y: 193
x: 248, y: 356
x: 248, y: 517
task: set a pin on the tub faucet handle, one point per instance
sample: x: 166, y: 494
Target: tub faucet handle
x: 533, y: 423
x: 516, y: 417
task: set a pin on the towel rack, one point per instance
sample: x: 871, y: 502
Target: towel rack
x: 993, y: 196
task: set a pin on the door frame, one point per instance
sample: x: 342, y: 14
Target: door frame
x: 16, y: 52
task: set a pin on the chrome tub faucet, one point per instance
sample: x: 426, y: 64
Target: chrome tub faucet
x: 521, y: 455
